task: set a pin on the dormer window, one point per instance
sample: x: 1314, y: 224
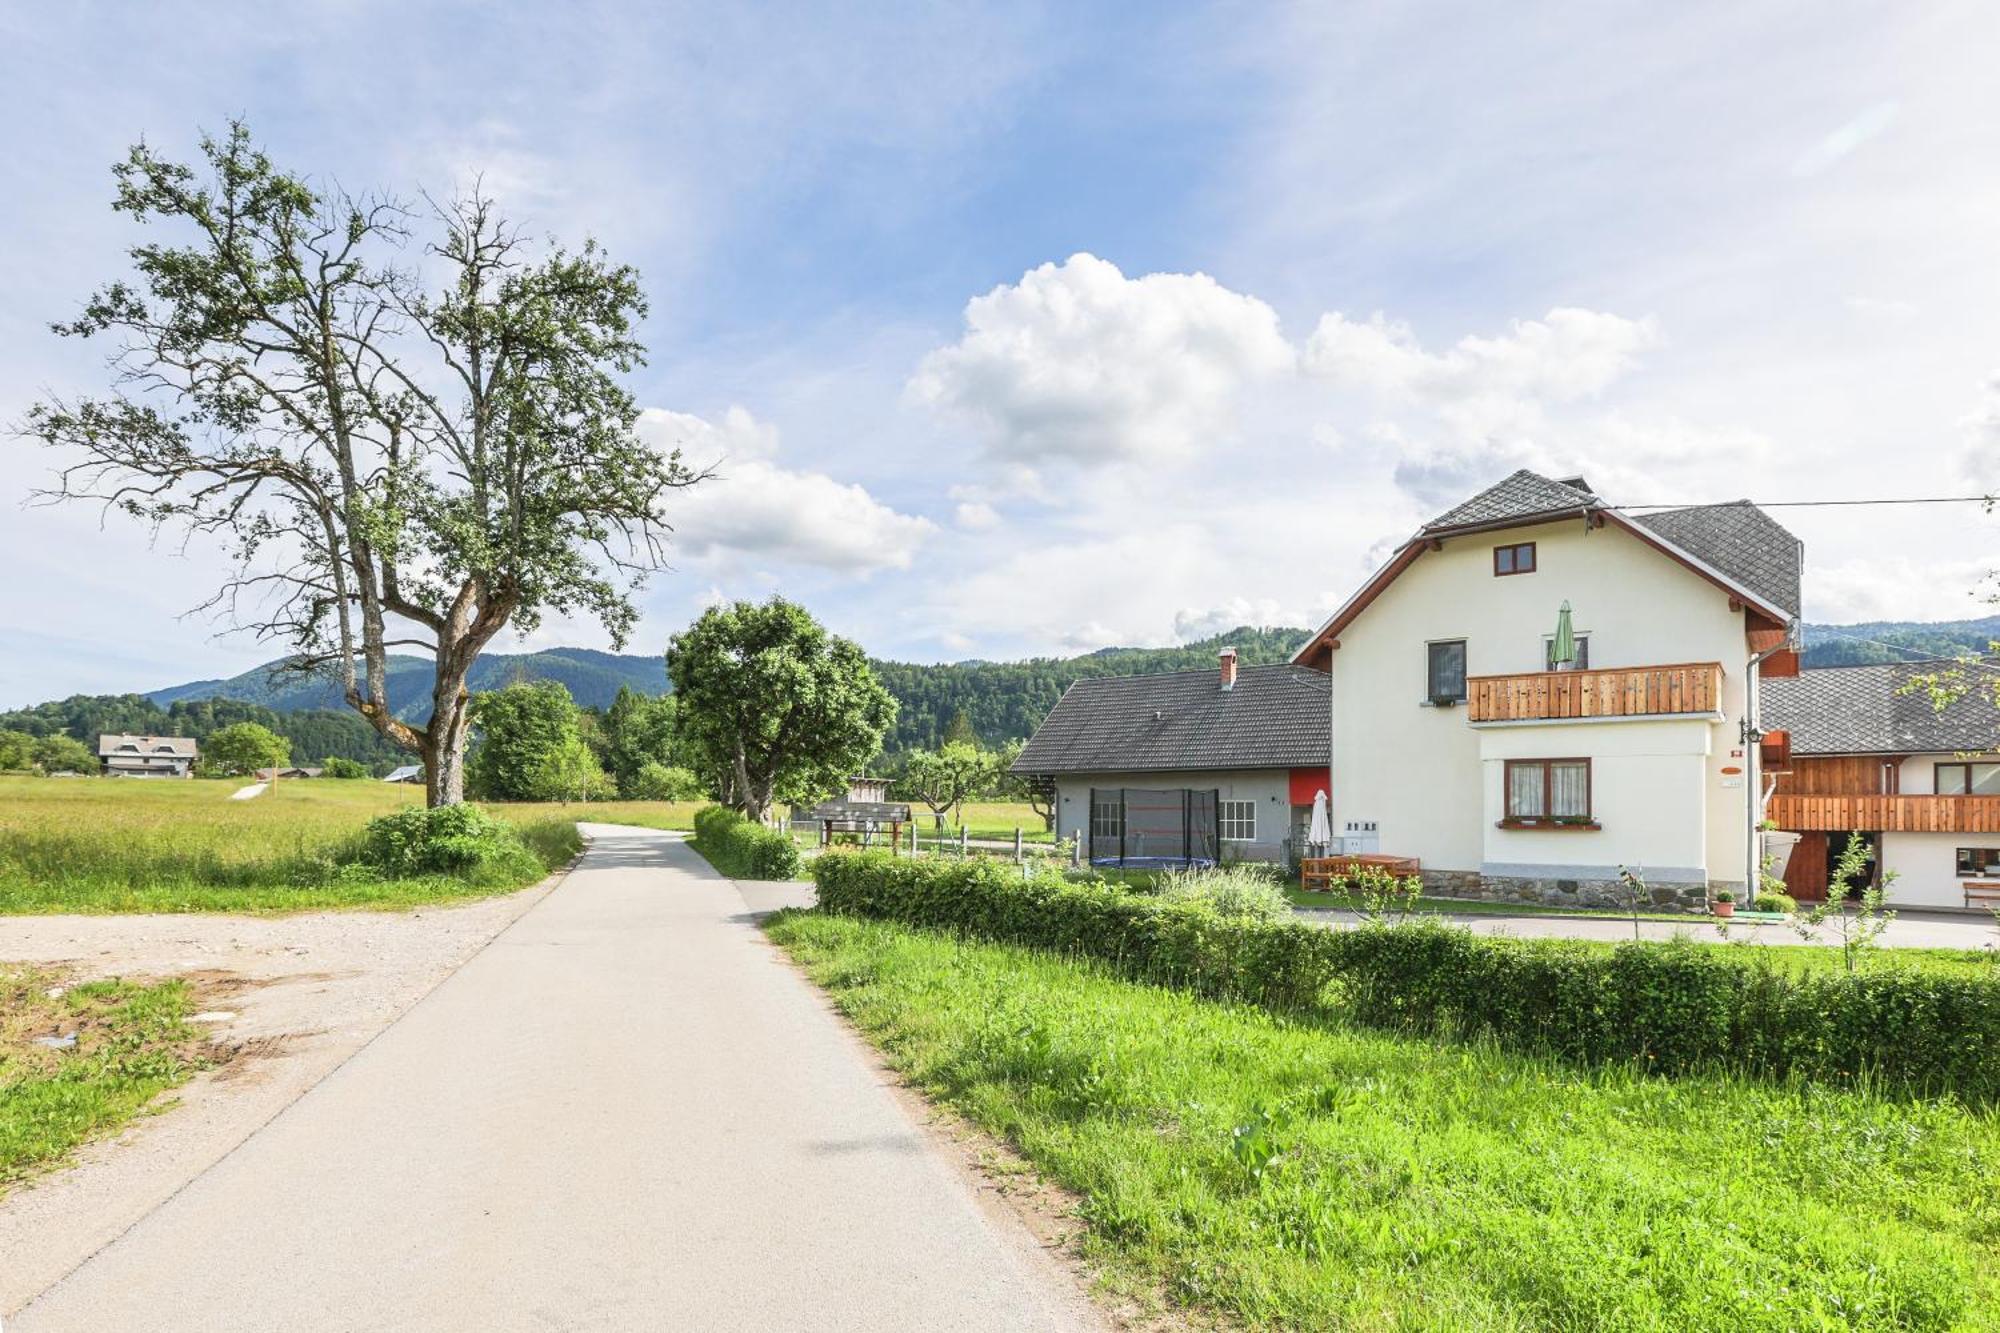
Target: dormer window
x: 1516, y: 559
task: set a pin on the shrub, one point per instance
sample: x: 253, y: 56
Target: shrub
x: 1668, y: 1007
x: 743, y: 849
x: 1239, y: 891
x: 656, y: 781
x: 448, y: 840
x: 333, y: 766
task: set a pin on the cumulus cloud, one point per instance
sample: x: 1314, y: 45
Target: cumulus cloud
x: 755, y: 508
x: 1885, y: 587
x: 1980, y: 458
x: 1079, y: 363
x: 977, y: 516
x: 1192, y: 623
x: 1567, y: 354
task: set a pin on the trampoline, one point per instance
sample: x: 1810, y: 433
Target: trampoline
x: 1142, y: 828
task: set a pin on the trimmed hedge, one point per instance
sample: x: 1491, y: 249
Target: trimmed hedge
x: 1668, y: 1006
x: 742, y: 848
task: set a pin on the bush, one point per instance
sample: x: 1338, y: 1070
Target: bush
x: 1243, y: 892
x: 743, y: 849
x: 460, y: 840
x: 333, y: 766
x: 656, y: 781
x: 1667, y: 1007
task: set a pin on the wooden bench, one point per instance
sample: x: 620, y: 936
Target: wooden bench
x: 1982, y: 893
x: 1321, y: 874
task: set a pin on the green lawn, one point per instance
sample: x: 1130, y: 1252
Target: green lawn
x: 133, y: 1042
x: 1293, y: 1174
x: 106, y: 845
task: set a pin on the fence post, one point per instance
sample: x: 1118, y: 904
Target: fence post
x: 961, y: 842
x: 1017, y: 842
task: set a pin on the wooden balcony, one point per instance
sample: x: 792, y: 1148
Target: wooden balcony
x: 1545, y: 696
x: 1886, y: 814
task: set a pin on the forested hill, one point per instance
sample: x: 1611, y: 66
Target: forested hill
x: 1000, y: 701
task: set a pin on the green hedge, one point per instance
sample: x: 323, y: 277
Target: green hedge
x: 1668, y: 1006
x: 743, y: 849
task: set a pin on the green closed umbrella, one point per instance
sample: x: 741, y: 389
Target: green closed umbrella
x: 1564, y: 649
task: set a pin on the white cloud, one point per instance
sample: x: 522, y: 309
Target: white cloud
x: 1981, y: 456
x: 1078, y: 363
x: 755, y: 508
x: 1896, y: 587
x: 1870, y: 124
x: 1192, y: 623
x: 976, y: 516
x: 1567, y: 354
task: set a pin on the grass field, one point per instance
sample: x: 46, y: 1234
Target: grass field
x: 1296, y: 1175
x: 133, y: 1042
x: 97, y: 845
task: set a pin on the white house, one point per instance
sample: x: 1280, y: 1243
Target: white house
x: 126, y: 756
x: 1455, y: 740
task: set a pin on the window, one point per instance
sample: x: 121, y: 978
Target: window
x: 1968, y: 779
x: 1107, y: 816
x: 1582, y: 653
x: 1236, y: 821
x: 1516, y: 559
x: 1553, y: 789
x: 1978, y: 862
x: 1447, y: 672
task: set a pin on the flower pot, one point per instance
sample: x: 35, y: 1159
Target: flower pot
x: 1725, y: 907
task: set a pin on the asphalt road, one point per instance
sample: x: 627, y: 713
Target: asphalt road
x: 625, y: 1113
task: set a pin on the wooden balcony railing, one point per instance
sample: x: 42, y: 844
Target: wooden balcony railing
x: 1887, y: 814
x: 1653, y: 691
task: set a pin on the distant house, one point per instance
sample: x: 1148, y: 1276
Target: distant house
x: 148, y: 756
x: 274, y: 774
x: 1217, y: 765
x: 867, y: 790
x: 410, y: 773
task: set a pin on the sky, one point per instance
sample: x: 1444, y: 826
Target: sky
x: 1025, y: 329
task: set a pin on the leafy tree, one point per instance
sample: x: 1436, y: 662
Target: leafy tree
x: 1859, y: 930
x: 522, y: 728
x: 660, y: 782
x: 570, y: 772
x: 1038, y: 793
x: 64, y: 754
x: 390, y: 465
x: 244, y: 748
x: 959, y: 730
x: 771, y: 706
x: 17, y: 750
x: 333, y: 766
x: 943, y: 777
x: 638, y: 733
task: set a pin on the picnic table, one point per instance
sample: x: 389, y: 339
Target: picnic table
x: 1321, y: 873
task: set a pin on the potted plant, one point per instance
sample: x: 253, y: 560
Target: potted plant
x: 1725, y: 903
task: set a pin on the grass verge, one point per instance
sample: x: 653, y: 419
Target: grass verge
x: 133, y: 1042
x: 1295, y: 1174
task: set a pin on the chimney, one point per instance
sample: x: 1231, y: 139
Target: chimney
x: 1228, y: 668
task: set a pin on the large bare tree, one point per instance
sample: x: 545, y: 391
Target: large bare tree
x: 403, y: 443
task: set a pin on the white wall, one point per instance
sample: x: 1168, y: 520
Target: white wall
x: 1647, y: 791
x: 1269, y: 788
x: 1418, y: 771
x: 1918, y: 773
x: 1926, y: 866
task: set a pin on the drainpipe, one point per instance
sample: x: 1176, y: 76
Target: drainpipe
x: 1756, y: 792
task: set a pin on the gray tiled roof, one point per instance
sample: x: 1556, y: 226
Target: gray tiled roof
x: 1522, y: 495
x: 182, y: 747
x: 1276, y: 717
x: 1741, y: 541
x: 1862, y: 710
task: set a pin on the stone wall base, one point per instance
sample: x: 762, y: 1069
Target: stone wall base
x: 1590, y: 893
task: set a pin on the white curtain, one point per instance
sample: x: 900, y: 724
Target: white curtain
x: 1569, y: 789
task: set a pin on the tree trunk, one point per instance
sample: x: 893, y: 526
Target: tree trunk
x: 444, y: 740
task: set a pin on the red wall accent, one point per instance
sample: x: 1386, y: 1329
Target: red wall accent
x: 1306, y: 781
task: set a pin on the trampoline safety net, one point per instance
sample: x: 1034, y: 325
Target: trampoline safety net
x: 1143, y: 827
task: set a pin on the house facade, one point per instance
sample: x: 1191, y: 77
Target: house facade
x: 1460, y: 739
x: 1140, y: 766
x: 1875, y: 759
x: 126, y: 756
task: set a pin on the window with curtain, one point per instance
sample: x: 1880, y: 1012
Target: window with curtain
x: 1447, y: 671
x: 1548, y: 788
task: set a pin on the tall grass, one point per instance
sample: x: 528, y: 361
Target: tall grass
x: 1307, y: 1175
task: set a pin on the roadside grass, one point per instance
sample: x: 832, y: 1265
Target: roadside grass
x: 97, y: 845
x: 1295, y: 1174
x: 133, y: 1043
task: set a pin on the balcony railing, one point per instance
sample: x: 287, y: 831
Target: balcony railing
x: 1886, y: 814
x: 1539, y: 696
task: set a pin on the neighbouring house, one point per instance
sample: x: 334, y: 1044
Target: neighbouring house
x: 1210, y: 765
x: 411, y: 773
x: 148, y: 756
x: 1873, y: 757
x: 868, y: 790
x: 282, y: 774
x: 1460, y: 737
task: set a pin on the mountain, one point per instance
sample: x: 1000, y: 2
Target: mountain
x: 1875, y: 641
x: 592, y: 677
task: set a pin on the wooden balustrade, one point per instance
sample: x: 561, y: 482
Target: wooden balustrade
x: 1652, y: 691
x: 1887, y: 814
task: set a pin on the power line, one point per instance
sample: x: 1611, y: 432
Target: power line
x: 1986, y: 500
x: 1973, y: 660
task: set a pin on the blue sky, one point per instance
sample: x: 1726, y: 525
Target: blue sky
x: 1030, y: 328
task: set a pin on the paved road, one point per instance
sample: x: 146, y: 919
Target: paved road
x: 625, y: 1113
x: 1910, y: 929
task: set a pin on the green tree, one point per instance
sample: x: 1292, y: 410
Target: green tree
x: 244, y: 748
x: 64, y: 754
x: 638, y: 732
x: 391, y: 464
x: 1039, y: 792
x: 17, y: 750
x: 661, y: 782
x: 959, y: 730
x: 773, y: 707
x: 523, y: 729
x: 570, y: 772
x: 943, y: 777
x: 333, y: 766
